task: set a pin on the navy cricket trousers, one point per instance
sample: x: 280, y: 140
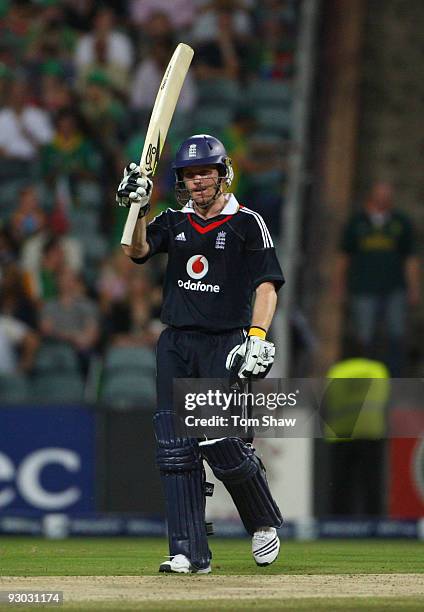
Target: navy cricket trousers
x: 191, y: 354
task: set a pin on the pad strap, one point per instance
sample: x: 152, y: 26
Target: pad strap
x: 234, y: 463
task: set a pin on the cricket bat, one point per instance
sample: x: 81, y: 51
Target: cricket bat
x: 163, y: 110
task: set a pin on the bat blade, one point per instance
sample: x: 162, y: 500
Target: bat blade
x: 163, y: 110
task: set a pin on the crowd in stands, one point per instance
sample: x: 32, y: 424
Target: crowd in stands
x: 77, y: 84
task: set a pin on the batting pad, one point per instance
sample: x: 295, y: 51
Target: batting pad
x: 181, y: 467
x: 234, y: 463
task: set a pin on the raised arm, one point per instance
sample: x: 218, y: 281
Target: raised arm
x: 140, y: 246
x: 135, y: 187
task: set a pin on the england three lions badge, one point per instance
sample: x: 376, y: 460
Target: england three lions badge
x: 220, y: 240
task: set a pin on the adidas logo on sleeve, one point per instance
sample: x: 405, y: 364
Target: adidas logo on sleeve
x: 181, y: 237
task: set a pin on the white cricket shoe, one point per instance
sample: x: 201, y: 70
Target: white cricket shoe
x: 181, y: 565
x: 265, y: 545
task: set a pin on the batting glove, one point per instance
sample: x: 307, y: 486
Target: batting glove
x: 253, y: 358
x: 135, y: 187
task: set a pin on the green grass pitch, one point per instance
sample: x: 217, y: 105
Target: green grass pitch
x: 141, y: 557
x: 26, y: 557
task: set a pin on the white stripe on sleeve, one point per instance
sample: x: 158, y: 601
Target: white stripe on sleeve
x: 266, y: 236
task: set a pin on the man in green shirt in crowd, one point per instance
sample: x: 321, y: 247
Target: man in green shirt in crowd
x: 379, y: 269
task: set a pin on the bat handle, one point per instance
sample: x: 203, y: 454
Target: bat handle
x: 130, y: 224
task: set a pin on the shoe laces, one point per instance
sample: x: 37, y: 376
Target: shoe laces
x: 262, y: 535
x: 260, y: 538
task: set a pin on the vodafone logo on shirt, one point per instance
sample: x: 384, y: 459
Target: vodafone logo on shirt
x: 197, y: 267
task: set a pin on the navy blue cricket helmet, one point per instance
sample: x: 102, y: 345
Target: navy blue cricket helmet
x: 203, y: 150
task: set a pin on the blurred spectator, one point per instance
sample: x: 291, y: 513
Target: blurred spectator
x: 51, y: 43
x: 208, y: 22
x: 70, y: 153
x: 281, y: 10
x: 72, y: 317
x: 104, y: 114
x: 266, y: 161
x: 236, y: 137
x: 15, y: 296
x: 273, y: 53
x: 15, y: 30
x: 18, y: 344
x: 106, y: 49
x: 55, y: 93
x: 23, y: 130
x: 44, y: 280
x: 158, y: 27
x: 148, y: 76
x: 260, y: 163
x: 222, y: 53
x: 28, y: 217
x: 29, y: 227
x: 114, y: 279
x: 18, y: 320
x: 379, y: 270
x: 179, y: 12
x: 80, y: 13
x: 40, y: 252
x: 8, y: 250
x: 130, y: 322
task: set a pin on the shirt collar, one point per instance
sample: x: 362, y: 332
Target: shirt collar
x: 230, y: 208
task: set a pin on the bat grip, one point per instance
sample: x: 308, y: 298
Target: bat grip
x: 130, y: 224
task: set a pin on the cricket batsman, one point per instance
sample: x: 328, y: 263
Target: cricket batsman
x: 220, y: 256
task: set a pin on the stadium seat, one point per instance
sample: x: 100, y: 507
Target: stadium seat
x: 274, y: 120
x: 9, y: 196
x: 129, y: 389
x: 88, y: 194
x: 129, y: 376
x: 95, y: 249
x: 94, y: 245
x: 14, y: 389
x: 272, y: 181
x: 212, y: 119
x: 225, y: 92
x: 57, y: 387
x: 55, y: 356
x: 269, y: 93
x: 270, y: 139
x: 84, y: 221
x: 56, y: 374
x: 136, y: 359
